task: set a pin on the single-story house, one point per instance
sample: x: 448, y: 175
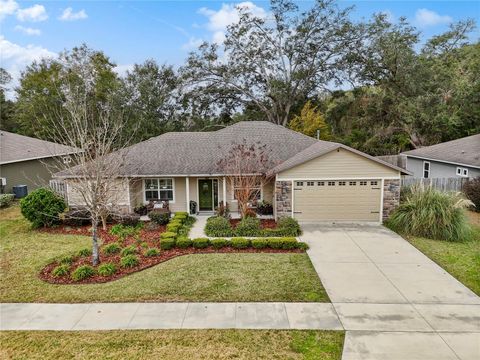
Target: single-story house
x: 28, y: 161
x: 312, y: 180
x: 458, y: 158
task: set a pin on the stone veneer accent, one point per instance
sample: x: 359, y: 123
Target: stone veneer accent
x: 283, y: 198
x: 391, y: 196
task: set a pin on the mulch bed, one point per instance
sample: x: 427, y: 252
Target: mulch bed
x: 144, y: 263
x: 264, y: 223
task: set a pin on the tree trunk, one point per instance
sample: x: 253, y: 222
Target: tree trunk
x: 104, y: 222
x: 95, y: 253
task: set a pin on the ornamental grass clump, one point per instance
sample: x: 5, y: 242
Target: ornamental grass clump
x: 433, y: 214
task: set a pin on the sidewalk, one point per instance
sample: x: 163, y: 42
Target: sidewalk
x: 113, y: 316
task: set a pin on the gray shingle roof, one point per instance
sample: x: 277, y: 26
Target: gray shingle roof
x: 15, y: 148
x: 320, y: 148
x: 198, y: 153
x: 460, y: 151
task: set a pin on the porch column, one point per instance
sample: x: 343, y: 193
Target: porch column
x: 224, y: 190
x: 187, y: 189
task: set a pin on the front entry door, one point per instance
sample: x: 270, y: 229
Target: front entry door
x: 205, y: 195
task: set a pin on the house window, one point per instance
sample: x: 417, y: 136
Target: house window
x: 373, y: 182
x: 363, y: 183
x: 256, y: 190
x: 331, y: 183
x: 426, y: 169
x: 342, y: 183
x: 158, y: 189
x: 310, y: 183
x: 462, y: 171
x: 299, y: 183
x: 352, y: 183
x: 321, y: 183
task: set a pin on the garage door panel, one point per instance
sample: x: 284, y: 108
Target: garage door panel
x: 347, y: 202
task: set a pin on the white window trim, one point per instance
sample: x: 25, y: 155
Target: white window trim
x: 145, y: 201
x: 233, y: 193
x: 461, y: 170
x: 429, y: 169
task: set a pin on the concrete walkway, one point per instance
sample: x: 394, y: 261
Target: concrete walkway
x: 394, y: 302
x: 111, y: 316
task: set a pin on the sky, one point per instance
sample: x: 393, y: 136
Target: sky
x: 130, y: 32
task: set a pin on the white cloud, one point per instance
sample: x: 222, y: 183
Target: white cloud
x: 425, y: 17
x: 27, y: 30
x: 193, y: 43
x: 7, y: 7
x: 69, y: 15
x: 34, y: 13
x: 14, y: 58
x: 227, y: 15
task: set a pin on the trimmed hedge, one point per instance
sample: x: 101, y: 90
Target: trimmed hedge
x: 168, y: 235
x: 183, y: 243
x: 42, y: 207
x: 250, y: 227
x: 167, y: 244
x: 240, y: 243
x: 219, y: 243
x: 200, y: 243
x: 259, y: 243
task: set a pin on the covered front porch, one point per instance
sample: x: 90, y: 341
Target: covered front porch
x: 207, y: 192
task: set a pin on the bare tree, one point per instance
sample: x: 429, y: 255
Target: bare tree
x: 94, y: 174
x: 246, y: 166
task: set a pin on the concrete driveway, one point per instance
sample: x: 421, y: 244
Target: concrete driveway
x: 394, y: 302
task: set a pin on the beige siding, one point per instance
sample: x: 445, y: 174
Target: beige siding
x: 349, y: 202
x: 339, y: 164
x: 119, y: 195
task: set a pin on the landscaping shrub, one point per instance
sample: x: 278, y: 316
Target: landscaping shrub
x: 85, y: 252
x: 42, y: 207
x: 168, y: 235
x: 275, y: 243
x: 6, y: 199
x: 152, y: 252
x: 250, y: 213
x: 219, y: 243
x: 302, y: 246
x: 471, y: 189
x: 264, y: 208
x: 240, y: 243
x: 429, y: 213
x: 183, y: 242
x: 160, y: 218
x: 111, y: 249
x: 248, y: 226
x: 289, y: 224
x: 289, y: 243
x: 141, y: 210
x: 223, y: 210
x: 167, y: 244
x: 129, y: 261
x: 129, y: 250
x: 180, y: 217
x: 259, y: 243
x: 83, y: 272
x: 200, y: 243
x: 173, y: 227
x: 218, y: 226
x: 124, y: 231
x: 66, y: 260
x: 127, y: 219
x: 107, y: 269
x: 61, y: 270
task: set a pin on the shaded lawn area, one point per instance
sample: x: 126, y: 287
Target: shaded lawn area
x: 461, y: 259
x: 203, y: 277
x: 172, y: 344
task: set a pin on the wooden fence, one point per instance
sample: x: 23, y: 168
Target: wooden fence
x: 443, y: 184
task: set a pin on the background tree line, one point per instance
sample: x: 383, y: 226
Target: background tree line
x: 287, y: 68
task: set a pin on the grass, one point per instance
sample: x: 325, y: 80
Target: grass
x: 172, y: 344
x: 207, y: 277
x: 460, y: 258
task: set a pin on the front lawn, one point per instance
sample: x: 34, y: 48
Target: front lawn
x: 460, y: 258
x: 206, y: 277
x: 172, y: 344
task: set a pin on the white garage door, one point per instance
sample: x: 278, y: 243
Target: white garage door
x: 341, y: 200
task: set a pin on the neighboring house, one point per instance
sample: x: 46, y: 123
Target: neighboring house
x: 28, y: 161
x: 313, y: 181
x: 452, y: 159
